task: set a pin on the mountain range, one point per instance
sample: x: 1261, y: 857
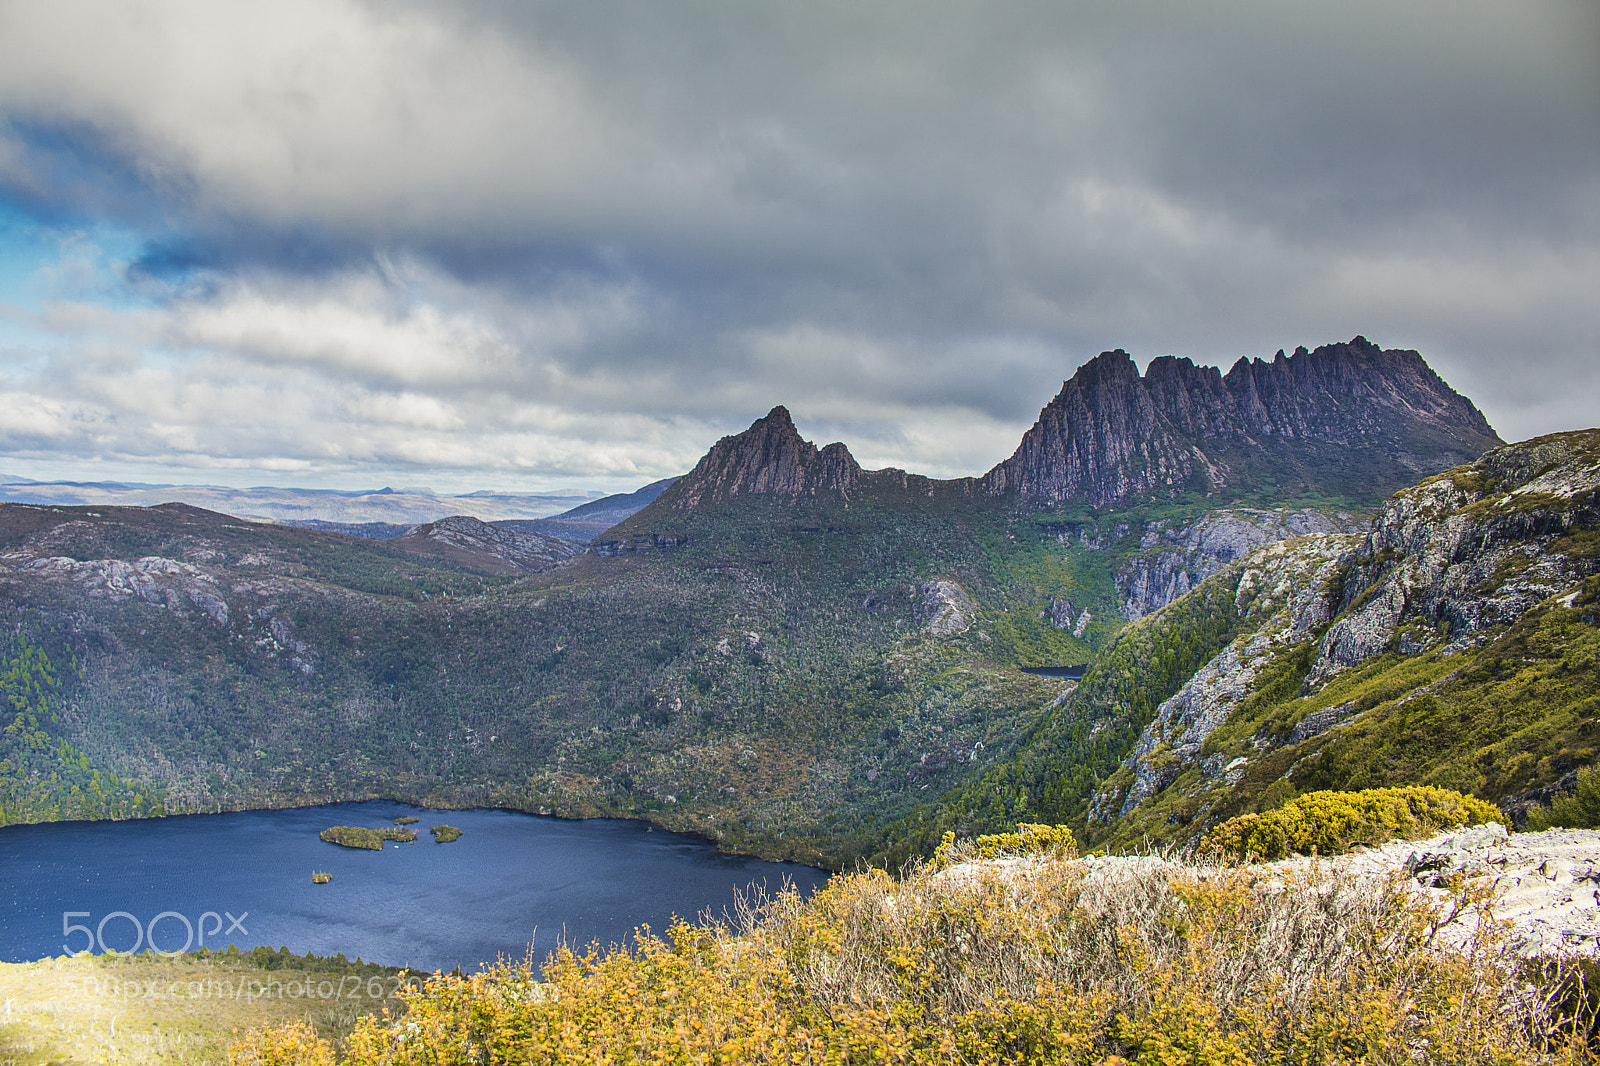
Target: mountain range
x: 404, y: 506
x: 1266, y: 574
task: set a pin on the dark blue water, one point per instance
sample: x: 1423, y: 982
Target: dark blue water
x: 1069, y: 673
x: 511, y: 880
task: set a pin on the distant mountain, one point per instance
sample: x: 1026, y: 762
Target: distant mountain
x: 483, y: 548
x: 770, y: 460
x: 387, y: 505
x: 363, y: 530
x: 587, y: 521
x: 1350, y: 420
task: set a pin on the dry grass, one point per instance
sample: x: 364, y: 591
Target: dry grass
x: 1015, y: 961
x: 147, y: 1009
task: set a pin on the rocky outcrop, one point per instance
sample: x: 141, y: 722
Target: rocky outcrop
x: 945, y: 608
x: 1175, y: 557
x: 1283, y: 590
x: 1350, y: 418
x: 1468, y: 551
x: 1543, y: 886
x: 1448, y: 564
x: 489, y: 549
x: 1101, y: 439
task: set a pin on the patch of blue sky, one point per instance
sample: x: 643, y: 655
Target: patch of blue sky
x: 85, y: 261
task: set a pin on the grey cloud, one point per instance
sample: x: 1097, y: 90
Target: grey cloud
x: 887, y: 216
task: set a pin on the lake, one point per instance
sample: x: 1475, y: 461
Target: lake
x: 245, y: 878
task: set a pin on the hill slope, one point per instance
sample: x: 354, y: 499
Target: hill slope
x: 783, y: 650
x: 1454, y: 645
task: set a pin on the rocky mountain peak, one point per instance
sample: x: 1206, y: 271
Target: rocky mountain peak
x: 1352, y: 419
x: 769, y: 458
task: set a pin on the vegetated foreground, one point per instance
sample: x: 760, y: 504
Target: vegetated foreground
x: 985, y: 955
x: 145, y: 1009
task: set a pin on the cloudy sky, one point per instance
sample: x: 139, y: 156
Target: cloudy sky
x: 519, y: 245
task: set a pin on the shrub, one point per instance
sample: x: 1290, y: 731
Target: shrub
x: 1332, y: 822
x: 293, y: 1044
x: 1579, y: 810
x: 1048, y: 962
x: 1029, y: 839
x: 444, y: 834
x: 355, y: 836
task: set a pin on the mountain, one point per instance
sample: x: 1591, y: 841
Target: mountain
x: 1350, y: 420
x: 791, y: 654
x: 483, y: 548
x: 405, y: 507
x: 769, y: 458
x: 583, y: 523
x: 1456, y: 643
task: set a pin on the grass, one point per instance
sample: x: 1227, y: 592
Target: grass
x: 145, y: 1009
x: 1050, y: 961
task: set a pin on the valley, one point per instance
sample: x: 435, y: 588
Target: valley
x: 805, y: 660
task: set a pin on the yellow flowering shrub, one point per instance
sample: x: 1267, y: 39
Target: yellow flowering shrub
x: 1332, y: 822
x: 1123, y: 963
x: 1029, y: 839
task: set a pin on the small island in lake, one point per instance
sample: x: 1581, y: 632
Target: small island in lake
x: 444, y: 834
x: 320, y: 878
x: 355, y: 836
x: 407, y: 819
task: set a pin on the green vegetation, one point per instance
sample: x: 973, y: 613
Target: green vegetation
x: 1081, y: 739
x: 144, y: 1010
x: 407, y: 819
x: 1513, y: 714
x: 444, y: 834
x: 353, y: 836
x: 319, y: 877
x: 760, y: 672
x: 43, y: 776
x: 1138, y: 964
x: 770, y: 683
x: 1578, y: 810
x: 1329, y: 823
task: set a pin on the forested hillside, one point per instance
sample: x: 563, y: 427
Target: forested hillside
x: 791, y: 654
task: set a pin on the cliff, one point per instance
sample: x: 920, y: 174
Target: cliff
x: 769, y: 458
x: 1347, y: 419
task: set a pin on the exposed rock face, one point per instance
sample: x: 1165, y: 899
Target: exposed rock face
x: 769, y: 458
x: 177, y: 586
x: 1466, y: 551
x: 1176, y: 557
x: 483, y: 547
x: 1284, y: 586
x: 1448, y: 563
x: 1111, y: 435
x: 945, y: 607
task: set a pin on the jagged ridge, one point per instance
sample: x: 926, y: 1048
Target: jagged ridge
x: 1347, y: 418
